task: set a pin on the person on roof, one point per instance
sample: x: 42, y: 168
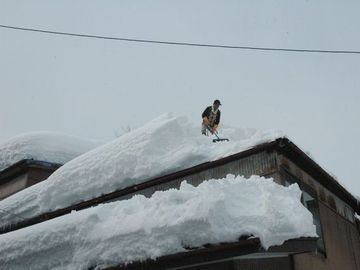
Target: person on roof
x: 211, y: 118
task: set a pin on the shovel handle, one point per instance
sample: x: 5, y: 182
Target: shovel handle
x: 215, y: 133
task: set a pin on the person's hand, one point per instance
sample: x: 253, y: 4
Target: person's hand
x: 206, y: 121
x: 213, y: 129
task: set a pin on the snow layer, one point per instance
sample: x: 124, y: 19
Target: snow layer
x: 43, y: 146
x: 165, y: 144
x: 216, y: 211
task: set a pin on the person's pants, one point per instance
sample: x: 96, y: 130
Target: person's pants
x: 203, y: 129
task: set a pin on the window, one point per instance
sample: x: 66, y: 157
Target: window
x: 312, y: 205
x: 310, y: 201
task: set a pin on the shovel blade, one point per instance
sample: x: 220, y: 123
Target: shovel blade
x: 220, y: 140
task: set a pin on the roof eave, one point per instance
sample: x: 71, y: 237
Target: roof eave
x: 296, y: 155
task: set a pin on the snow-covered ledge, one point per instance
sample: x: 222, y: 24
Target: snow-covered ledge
x: 43, y: 146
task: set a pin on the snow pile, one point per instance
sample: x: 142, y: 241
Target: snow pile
x: 216, y: 211
x: 166, y: 144
x: 43, y: 146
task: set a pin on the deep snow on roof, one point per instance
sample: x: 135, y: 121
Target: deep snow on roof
x: 43, y: 146
x: 165, y: 144
x: 217, y: 211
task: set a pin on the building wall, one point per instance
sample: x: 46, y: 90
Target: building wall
x: 342, y: 243
x: 324, y: 195
x: 339, y: 231
x: 29, y: 177
x: 14, y: 185
x: 37, y: 175
x: 264, y: 164
x: 283, y: 263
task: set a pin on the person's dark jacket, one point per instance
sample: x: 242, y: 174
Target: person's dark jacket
x: 207, y: 113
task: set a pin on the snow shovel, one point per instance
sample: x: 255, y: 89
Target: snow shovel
x: 218, y: 139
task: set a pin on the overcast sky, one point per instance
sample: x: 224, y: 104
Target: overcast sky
x: 93, y: 88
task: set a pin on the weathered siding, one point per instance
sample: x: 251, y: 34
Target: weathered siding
x: 281, y: 263
x: 342, y: 244
x: 10, y: 187
x: 24, y: 174
x: 259, y: 164
x: 25, y: 180
x: 323, y: 193
x: 37, y: 175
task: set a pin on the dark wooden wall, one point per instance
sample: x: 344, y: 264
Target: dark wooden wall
x: 342, y: 244
x: 30, y: 176
x: 14, y: 185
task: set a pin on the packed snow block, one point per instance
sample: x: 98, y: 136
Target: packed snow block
x: 164, y: 145
x: 216, y: 211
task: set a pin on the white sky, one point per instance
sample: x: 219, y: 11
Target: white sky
x: 91, y: 88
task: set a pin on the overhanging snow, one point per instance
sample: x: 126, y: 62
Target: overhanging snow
x: 216, y: 211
